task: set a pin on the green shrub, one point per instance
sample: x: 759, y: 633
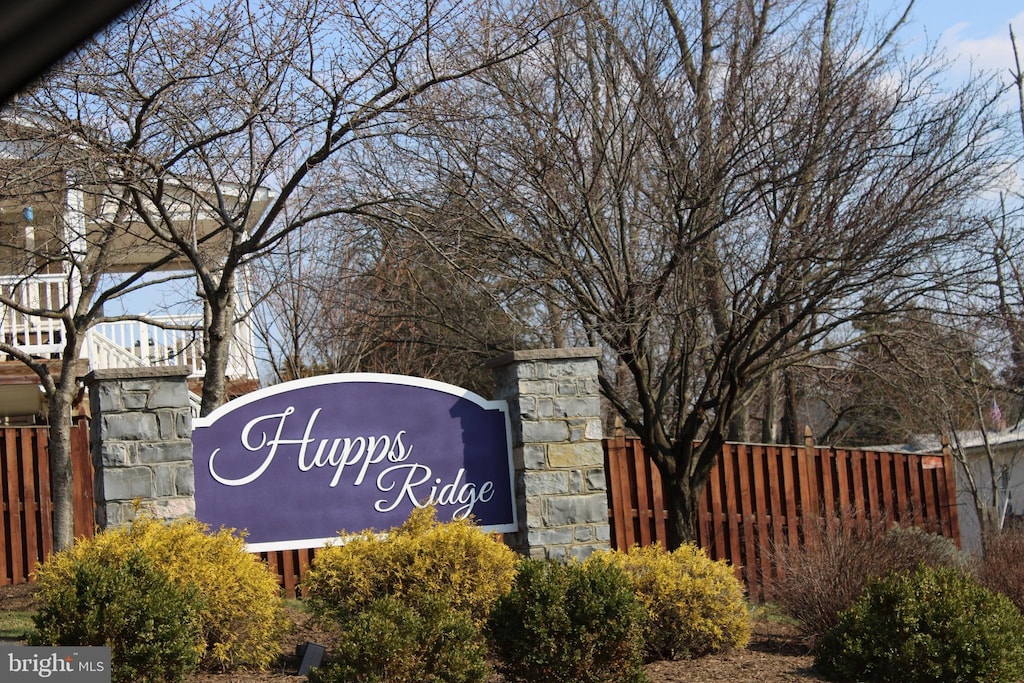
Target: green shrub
x: 906, y: 547
x: 926, y: 625
x: 694, y: 604
x: 569, y: 623
x: 241, y: 615
x: 392, y: 642
x: 410, y: 605
x: 423, y: 557
x: 121, y: 600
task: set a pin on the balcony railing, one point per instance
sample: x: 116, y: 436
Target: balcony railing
x: 136, y: 344
x: 173, y: 340
x: 34, y: 335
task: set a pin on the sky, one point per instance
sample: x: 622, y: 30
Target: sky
x: 974, y: 34
x: 969, y: 31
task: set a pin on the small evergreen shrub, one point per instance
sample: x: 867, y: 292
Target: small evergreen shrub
x: 932, y: 624
x: 410, y: 605
x: 422, y: 557
x: 569, y: 623
x: 89, y: 596
x: 909, y: 546
x: 816, y: 581
x: 694, y: 604
x: 391, y: 642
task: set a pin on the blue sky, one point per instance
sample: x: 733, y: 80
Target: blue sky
x: 967, y: 30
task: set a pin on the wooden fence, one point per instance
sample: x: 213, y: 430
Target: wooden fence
x: 758, y: 496
x: 26, y: 534
x: 764, y: 496
x: 290, y: 567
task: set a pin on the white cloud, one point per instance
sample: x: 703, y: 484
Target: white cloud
x: 989, y: 53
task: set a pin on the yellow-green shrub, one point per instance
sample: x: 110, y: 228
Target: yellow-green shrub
x: 423, y: 557
x: 243, y: 617
x: 241, y: 611
x: 695, y: 604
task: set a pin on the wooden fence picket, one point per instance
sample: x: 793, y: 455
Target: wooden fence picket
x: 26, y: 532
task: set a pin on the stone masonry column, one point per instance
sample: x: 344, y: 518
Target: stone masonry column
x: 561, y: 489
x: 141, y: 441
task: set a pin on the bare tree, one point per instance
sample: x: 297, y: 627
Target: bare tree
x: 195, y: 125
x: 375, y: 300
x: 218, y: 116
x: 714, y: 192
x: 299, y: 286
x: 956, y: 369
x: 67, y: 257
x: 934, y: 375
x: 987, y: 474
x: 1007, y: 251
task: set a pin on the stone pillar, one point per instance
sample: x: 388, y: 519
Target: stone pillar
x: 561, y: 489
x: 141, y: 441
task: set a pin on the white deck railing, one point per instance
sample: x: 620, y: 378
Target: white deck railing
x: 121, y: 344
x: 138, y: 344
x: 33, y: 334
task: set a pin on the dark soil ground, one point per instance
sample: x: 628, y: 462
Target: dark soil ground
x: 775, y: 654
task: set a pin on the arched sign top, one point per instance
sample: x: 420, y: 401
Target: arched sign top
x: 344, y: 377
x: 299, y: 462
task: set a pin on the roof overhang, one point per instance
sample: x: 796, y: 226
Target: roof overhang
x: 16, y: 372
x: 20, y: 389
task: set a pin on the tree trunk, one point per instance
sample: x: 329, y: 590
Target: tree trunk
x: 739, y: 425
x: 989, y: 519
x: 685, y: 466
x: 220, y: 334
x: 62, y: 488
x: 790, y: 424
x: 769, y: 433
x: 681, y: 502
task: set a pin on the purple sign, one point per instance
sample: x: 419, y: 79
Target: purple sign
x: 297, y: 463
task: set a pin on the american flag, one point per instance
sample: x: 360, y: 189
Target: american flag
x: 995, y: 414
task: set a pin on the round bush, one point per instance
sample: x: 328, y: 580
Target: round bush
x: 410, y: 604
x: 908, y: 547
x: 569, y: 623
x: 423, y: 557
x: 241, y: 612
x: 392, y: 642
x: 89, y: 596
x: 694, y: 604
x: 932, y: 624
